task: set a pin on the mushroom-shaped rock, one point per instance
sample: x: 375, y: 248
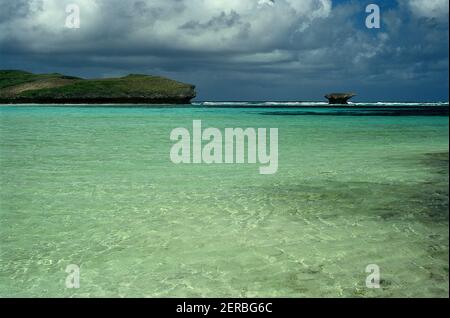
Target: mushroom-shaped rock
x: 339, y: 98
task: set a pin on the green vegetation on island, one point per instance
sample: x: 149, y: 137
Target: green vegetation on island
x: 24, y: 87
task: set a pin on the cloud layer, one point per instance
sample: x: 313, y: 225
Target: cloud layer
x: 234, y: 49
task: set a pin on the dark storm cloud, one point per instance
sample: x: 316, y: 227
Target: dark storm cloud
x: 221, y: 21
x: 16, y: 9
x: 290, y: 49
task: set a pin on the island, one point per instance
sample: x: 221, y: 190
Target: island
x: 339, y: 98
x: 20, y: 87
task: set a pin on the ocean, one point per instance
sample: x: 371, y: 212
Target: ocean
x: 356, y: 187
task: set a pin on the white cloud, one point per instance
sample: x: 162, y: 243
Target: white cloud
x: 429, y: 8
x: 213, y: 25
x: 266, y: 2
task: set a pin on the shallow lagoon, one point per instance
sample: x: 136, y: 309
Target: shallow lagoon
x: 95, y: 187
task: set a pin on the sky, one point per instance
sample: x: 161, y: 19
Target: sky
x: 283, y: 50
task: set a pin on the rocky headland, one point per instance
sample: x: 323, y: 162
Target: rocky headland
x: 19, y: 87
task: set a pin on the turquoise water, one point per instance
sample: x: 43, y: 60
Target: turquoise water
x: 95, y: 187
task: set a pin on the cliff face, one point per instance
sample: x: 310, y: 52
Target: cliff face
x: 24, y: 87
x: 339, y: 98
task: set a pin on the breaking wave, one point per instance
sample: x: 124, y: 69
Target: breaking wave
x: 312, y: 104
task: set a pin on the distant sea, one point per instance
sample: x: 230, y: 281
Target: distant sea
x: 95, y: 187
